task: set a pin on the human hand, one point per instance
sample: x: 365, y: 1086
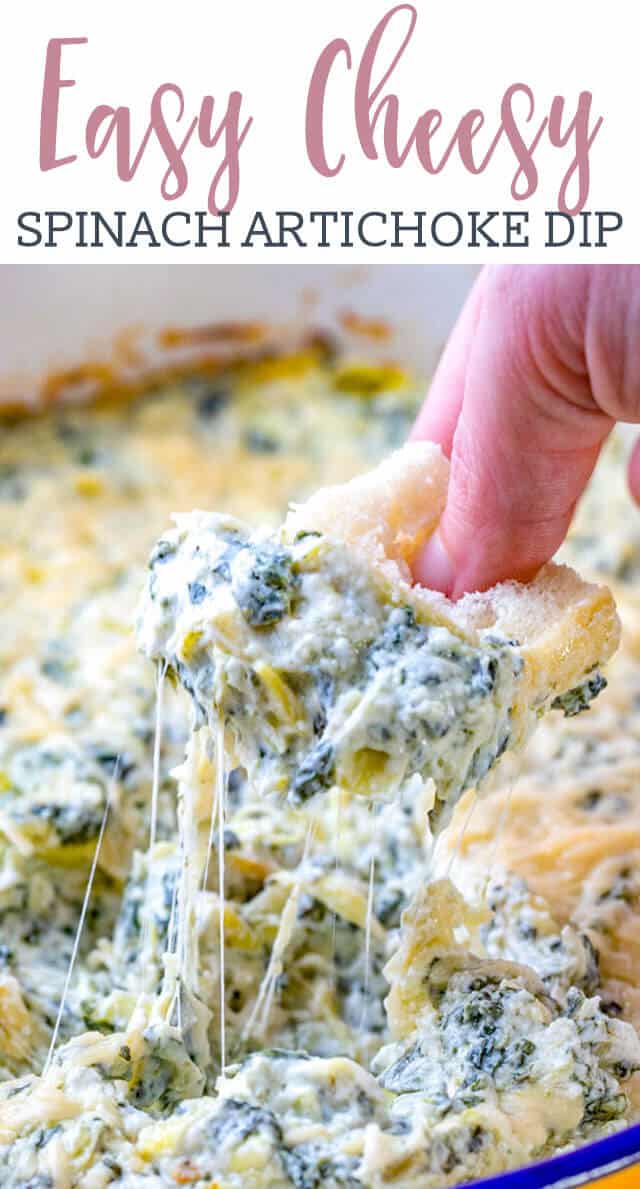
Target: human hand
x: 542, y: 362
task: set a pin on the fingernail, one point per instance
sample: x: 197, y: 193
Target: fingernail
x: 434, y: 568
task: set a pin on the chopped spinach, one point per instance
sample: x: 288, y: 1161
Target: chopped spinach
x: 73, y: 823
x: 12, y: 482
x: 260, y: 442
x: 197, y: 592
x: 315, y: 773
x: 575, y: 701
x: 162, y: 551
x: 238, y: 1119
x: 212, y: 400
x: 308, y: 1166
x: 265, y: 586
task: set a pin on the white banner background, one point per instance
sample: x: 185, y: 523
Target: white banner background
x: 462, y: 55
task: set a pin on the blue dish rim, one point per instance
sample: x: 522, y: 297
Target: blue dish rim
x: 596, y: 1159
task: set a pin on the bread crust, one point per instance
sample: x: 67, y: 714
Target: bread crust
x: 564, y: 626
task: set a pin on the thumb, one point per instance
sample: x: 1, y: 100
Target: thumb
x: 528, y: 432
x: 634, y: 472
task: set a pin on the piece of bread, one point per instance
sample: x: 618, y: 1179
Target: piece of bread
x: 565, y: 627
x: 327, y: 665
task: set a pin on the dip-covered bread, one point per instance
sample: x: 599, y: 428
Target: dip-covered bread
x: 327, y: 666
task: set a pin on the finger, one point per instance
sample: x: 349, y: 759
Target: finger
x: 438, y: 417
x: 526, y: 441
x: 634, y: 472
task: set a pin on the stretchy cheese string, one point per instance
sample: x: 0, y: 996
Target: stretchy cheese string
x: 502, y: 823
x: 220, y: 800
x: 336, y: 864
x: 264, y: 1001
x: 457, y: 848
x: 182, y: 973
x: 219, y: 776
x: 83, y: 914
x: 285, y: 933
x: 161, y: 673
x: 185, y: 971
x: 367, y: 943
x: 186, y: 817
x: 280, y: 942
x: 172, y: 928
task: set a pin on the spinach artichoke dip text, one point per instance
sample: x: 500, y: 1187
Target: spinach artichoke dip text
x: 393, y: 1012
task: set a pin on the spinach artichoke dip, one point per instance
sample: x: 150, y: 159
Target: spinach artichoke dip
x: 256, y: 929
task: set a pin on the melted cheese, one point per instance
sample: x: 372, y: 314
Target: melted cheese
x: 319, y: 675
x: 130, y: 1096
